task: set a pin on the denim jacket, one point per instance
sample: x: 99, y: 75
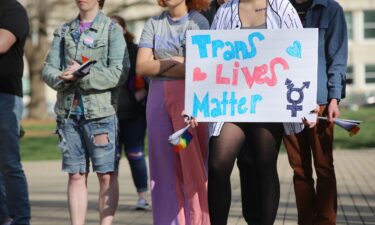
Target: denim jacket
x: 328, y: 16
x: 103, y: 42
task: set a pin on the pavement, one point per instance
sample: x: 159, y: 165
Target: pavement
x: 355, y: 173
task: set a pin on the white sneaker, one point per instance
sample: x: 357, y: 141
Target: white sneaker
x: 142, y: 204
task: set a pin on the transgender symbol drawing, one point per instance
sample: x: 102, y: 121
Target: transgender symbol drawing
x: 297, y: 98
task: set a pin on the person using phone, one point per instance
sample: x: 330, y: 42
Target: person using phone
x: 86, y: 107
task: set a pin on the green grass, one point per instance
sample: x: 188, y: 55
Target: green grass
x: 40, y: 127
x: 40, y: 144
x: 366, y: 136
x: 39, y: 148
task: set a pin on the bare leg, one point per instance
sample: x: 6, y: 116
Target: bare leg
x: 142, y: 194
x: 77, y: 198
x: 108, y: 196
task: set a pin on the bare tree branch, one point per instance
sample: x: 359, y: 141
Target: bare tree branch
x: 46, y: 13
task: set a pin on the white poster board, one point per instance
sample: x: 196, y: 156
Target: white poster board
x: 251, y: 75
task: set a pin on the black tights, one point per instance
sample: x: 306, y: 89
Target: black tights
x: 263, y: 140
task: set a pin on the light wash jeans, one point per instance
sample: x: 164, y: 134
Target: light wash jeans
x: 78, y: 147
x: 13, y: 176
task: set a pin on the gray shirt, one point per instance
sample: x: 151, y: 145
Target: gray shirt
x: 167, y: 37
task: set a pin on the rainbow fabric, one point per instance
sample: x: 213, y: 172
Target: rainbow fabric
x: 352, y: 126
x: 354, y: 131
x: 180, y: 139
x: 184, y: 141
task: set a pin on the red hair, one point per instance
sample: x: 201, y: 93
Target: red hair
x: 121, y: 21
x: 197, y: 5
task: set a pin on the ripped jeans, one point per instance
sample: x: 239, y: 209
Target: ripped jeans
x: 132, y: 140
x: 81, y: 141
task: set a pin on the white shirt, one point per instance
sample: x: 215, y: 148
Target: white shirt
x: 280, y: 15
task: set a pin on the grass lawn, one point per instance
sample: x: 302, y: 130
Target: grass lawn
x: 40, y: 143
x: 366, y: 136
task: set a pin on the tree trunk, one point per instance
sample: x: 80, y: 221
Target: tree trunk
x: 40, y: 14
x: 35, y: 55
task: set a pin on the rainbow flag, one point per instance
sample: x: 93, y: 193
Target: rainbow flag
x: 352, y: 126
x: 180, y: 139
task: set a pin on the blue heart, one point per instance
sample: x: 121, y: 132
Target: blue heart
x: 295, y: 50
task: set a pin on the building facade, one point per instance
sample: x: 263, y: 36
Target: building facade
x: 360, y: 18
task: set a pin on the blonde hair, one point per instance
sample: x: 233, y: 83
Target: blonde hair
x: 197, y: 5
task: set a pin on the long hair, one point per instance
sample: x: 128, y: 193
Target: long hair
x: 101, y: 3
x: 197, y: 5
x: 129, y: 37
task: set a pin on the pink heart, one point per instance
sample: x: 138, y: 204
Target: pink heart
x: 198, y: 75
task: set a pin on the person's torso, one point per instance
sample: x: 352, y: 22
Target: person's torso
x: 93, y: 44
x: 169, y: 39
x: 128, y: 106
x: 170, y: 35
x: 319, y: 14
x: 11, y: 63
x: 279, y: 15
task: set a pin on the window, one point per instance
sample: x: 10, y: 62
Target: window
x: 349, y: 75
x: 370, y: 74
x: 369, y: 25
x: 349, y: 24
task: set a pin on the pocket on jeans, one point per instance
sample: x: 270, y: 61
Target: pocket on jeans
x: 65, y: 131
x: 102, y: 126
x: 63, y: 145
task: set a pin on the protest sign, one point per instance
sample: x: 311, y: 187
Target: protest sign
x: 251, y: 75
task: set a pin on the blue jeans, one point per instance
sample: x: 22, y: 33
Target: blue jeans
x: 14, y: 178
x: 132, y: 136
x: 4, y: 214
x: 78, y: 147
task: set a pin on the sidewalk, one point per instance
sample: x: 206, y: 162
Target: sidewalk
x: 355, y: 171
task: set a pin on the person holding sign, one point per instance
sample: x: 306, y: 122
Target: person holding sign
x: 262, y: 139
x: 86, y: 106
x: 319, y: 205
x: 178, y: 178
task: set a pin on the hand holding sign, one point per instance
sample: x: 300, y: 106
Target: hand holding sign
x: 251, y: 75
